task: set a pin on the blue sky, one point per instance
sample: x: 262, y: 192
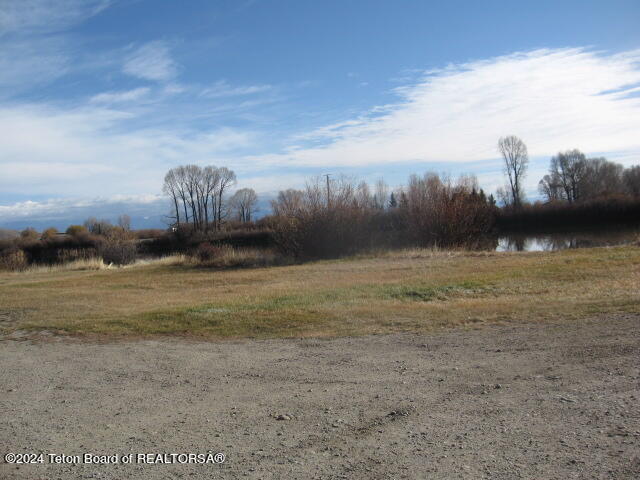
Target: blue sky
x: 98, y: 98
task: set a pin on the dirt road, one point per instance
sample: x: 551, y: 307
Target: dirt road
x: 522, y: 401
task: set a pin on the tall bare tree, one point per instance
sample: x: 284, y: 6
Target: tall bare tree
x: 171, y: 188
x: 227, y: 180
x: 569, y: 168
x: 209, y: 182
x: 244, y: 203
x: 549, y: 187
x: 601, y: 178
x: 363, y: 198
x: 631, y: 179
x: 287, y: 203
x: 516, y: 160
x: 381, y: 195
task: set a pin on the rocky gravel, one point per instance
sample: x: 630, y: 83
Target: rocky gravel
x: 550, y: 400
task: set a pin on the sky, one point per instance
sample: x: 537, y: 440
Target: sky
x: 99, y: 98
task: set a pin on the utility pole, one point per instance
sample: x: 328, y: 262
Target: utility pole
x: 327, y: 175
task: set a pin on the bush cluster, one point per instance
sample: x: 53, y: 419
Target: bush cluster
x: 114, y: 246
x: 344, y: 218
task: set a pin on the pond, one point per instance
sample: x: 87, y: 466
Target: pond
x: 533, y: 242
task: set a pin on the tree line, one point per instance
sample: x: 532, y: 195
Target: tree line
x: 572, y: 176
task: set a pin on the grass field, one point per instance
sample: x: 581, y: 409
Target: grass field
x: 413, y: 290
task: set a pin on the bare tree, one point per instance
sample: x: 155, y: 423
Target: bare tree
x: 287, y: 203
x: 516, y: 161
x: 381, y: 195
x: 99, y: 227
x: 363, y: 196
x: 192, y: 174
x: 550, y: 188
x: 244, y: 204
x: 207, y: 187
x: 171, y: 188
x: 631, y: 178
x: 568, y: 169
x: 181, y: 177
x: 601, y: 178
x: 227, y: 180
x: 124, y: 222
x: 197, y: 194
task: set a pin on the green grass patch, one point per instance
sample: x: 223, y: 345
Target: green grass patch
x: 428, y: 293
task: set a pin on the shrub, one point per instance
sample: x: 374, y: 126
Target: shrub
x: 445, y: 214
x: 150, y: 233
x: 50, y: 251
x: 323, y: 222
x: 13, y: 259
x: 321, y: 234
x: 50, y: 232
x: 77, y: 230
x: 345, y: 220
x: 29, y: 234
x: 207, y: 253
x: 118, y: 252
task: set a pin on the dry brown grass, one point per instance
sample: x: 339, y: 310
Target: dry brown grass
x: 84, y: 264
x: 414, y: 290
x: 229, y: 257
x: 97, y: 263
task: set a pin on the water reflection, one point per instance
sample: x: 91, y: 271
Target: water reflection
x: 561, y: 241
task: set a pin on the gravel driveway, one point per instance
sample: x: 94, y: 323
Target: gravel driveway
x: 521, y: 401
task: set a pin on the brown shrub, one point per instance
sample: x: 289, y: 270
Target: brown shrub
x: 118, y: 247
x: 13, y: 259
x: 206, y: 252
x: 440, y: 212
x: 50, y: 232
x: 29, y: 234
x: 118, y: 253
x: 77, y: 230
x: 150, y: 233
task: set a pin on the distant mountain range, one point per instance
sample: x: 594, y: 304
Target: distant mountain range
x: 153, y: 215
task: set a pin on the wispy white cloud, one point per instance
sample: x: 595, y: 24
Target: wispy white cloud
x: 151, y: 61
x: 269, y: 183
x: 84, y: 150
x: 123, y: 96
x: 28, y: 63
x: 553, y: 99
x: 34, y: 49
x: 29, y: 16
x: 223, y: 89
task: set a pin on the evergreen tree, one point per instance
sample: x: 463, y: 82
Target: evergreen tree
x: 392, y: 201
